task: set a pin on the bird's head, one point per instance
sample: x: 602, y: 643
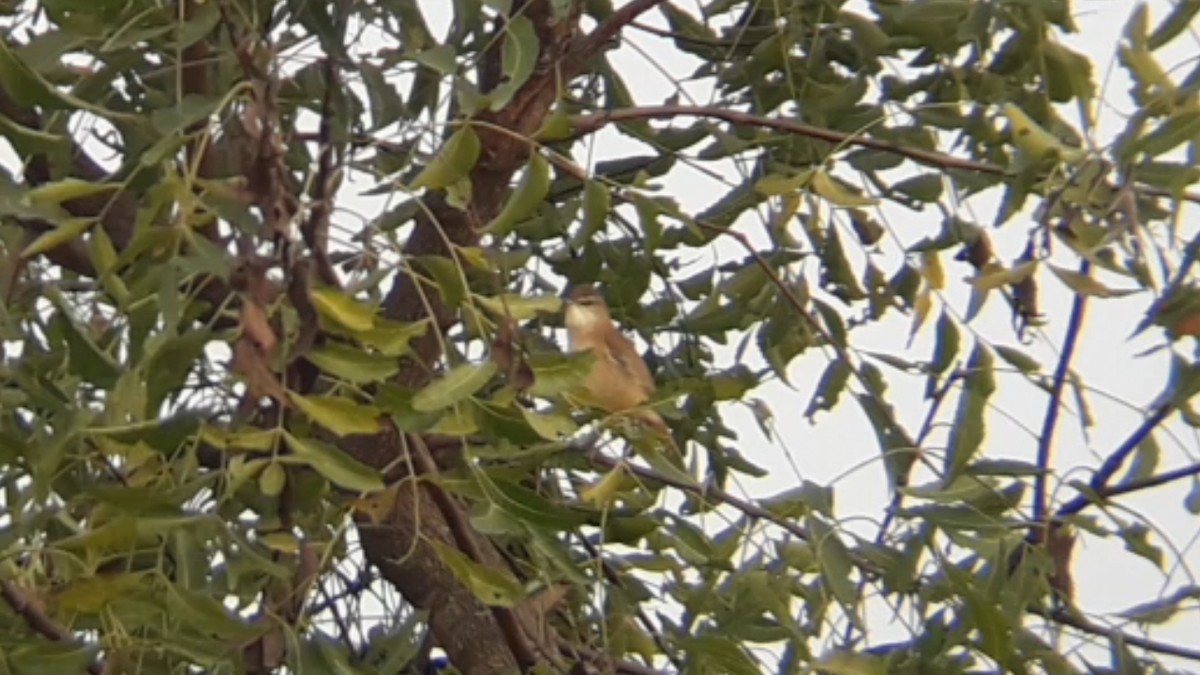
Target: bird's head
x: 585, y: 308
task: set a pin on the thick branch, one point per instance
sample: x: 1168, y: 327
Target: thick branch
x: 473, y: 637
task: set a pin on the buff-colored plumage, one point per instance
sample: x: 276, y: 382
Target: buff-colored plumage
x: 619, y: 382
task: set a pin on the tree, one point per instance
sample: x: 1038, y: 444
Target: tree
x: 282, y: 388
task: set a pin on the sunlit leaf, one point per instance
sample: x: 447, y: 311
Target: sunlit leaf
x: 338, y: 414
x: 334, y: 464
x: 454, y: 386
x: 343, y: 310
x: 493, y: 587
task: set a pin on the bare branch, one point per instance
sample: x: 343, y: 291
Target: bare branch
x: 1099, y: 483
x: 37, y: 619
x: 1046, y: 439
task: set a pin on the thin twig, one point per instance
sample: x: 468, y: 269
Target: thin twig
x: 316, y: 228
x: 614, y: 578
x: 705, y: 492
x: 1099, y: 483
x: 1046, y: 440
x: 1079, y: 503
x: 1083, y: 624
x: 940, y: 160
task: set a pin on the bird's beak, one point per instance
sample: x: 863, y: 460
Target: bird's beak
x: 565, y: 296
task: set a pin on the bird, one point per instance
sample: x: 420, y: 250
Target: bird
x: 619, y: 382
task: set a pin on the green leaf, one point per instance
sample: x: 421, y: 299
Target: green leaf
x: 529, y: 507
x: 806, y: 498
x: 946, y: 346
x: 50, y: 658
x: 555, y: 374
x: 718, y: 654
x: 86, y: 359
x: 1175, y: 23
x: 837, y: 193
x: 205, y: 613
x: 65, y: 190
x: 27, y: 88
x: 68, y: 230
x: 775, y: 185
x: 340, y: 415
x: 392, y: 338
x: 526, y: 199
x: 1162, y: 610
x: 520, y: 307
x: 333, y: 464
x: 452, y: 163
x: 851, y: 663
x: 1084, y: 284
x: 385, y: 103
x: 1145, y: 460
x: 552, y: 427
x: 923, y: 188
x: 988, y: 619
x: 597, y: 204
x: 835, y: 563
x: 447, y: 276
x: 518, y: 60
x: 1137, y: 541
x: 352, y: 364
x: 167, y: 369
x: 1182, y: 126
x: 830, y: 387
x: 493, y: 587
x: 272, y: 479
x: 460, y: 382
x: 442, y: 58
x: 1018, y: 359
x: 343, y: 310
x: 1192, y: 501
x: 966, y: 437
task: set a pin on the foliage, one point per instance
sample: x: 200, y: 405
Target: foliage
x: 249, y: 424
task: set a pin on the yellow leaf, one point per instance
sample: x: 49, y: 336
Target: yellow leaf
x: 1031, y: 138
x: 343, y: 309
x: 340, y: 415
x: 995, y: 275
x: 272, y: 479
x: 605, y: 491
x: 839, y: 195
x: 921, y: 307
x: 931, y: 267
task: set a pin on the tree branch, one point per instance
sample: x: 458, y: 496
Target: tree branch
x: 37, y: 619
x: 940, y: 160
x: 1046, y: 439
x: 465, y: 537
x: 596, y: 41
x: 1099, y: 483
x: 1080, y: 623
